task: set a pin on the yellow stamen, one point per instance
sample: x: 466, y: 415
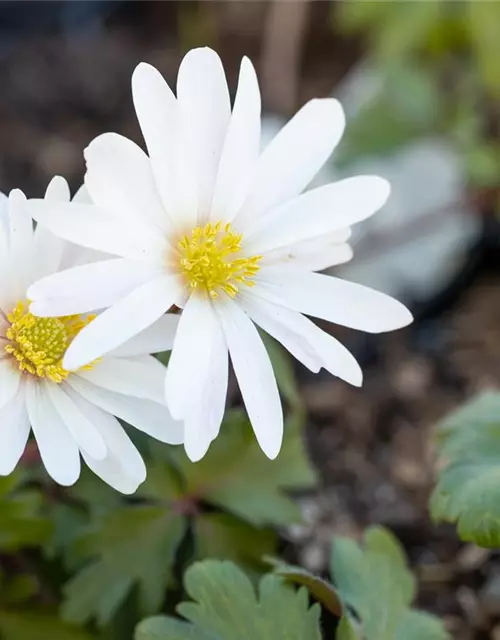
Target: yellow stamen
x: 38, y: 345
x: 210, y: 259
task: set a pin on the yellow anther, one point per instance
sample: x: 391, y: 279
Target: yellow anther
x: 210, y: 259
x: 38, y: 345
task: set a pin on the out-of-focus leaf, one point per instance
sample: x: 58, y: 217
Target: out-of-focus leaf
x: 226, y: 607
x: 222, y: 536
x: 406, y: 106
x: 406, y: 28
x: 394, y: 28
x: 360, y: 15
x: 347, y: 630
x: 467, y: 489
x: 68, y: 523
x: 94, y: 494
x: 417, y: 625
x: 236, y: 475
x: 483, y: 164
x: 320, y: 589
x: 135, y: 545
x: 167, y: 628
x: 21, y: 520
x: 483, y: 21
x: 18, y: 589
x: 25, y: 625
x: 376, y: 582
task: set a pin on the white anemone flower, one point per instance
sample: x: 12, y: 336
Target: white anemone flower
x: 71, y: 413
x: 209, y: 223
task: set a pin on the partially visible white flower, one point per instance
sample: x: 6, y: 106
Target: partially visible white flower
x: 208, y: 223
x: 71, y: 413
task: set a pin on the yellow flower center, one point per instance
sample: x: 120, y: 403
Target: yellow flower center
x: 210, y: 259
x: 38, y: 345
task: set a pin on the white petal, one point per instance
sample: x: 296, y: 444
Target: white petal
x: 157, y: 338
x: 204, y: 106
x: 150, y: 417
x: 339, y: 301
x: 285, y: 326
x: 4, y: 224
x: 88, y: 287
x: 91, y: 227
x: 197, y: 434
x: 21, y: 243
x: 15, y: 431
x: 49, y: 248
x: 241, y: 147
x: 206, y: 411
x: 158, y: 115
x: 319, y: 212
x: 120, y: 448
x: 21, y: 225
x: 335, y: 358
x: 190, y: 359
x: 141, y: 377
x: 255, y: 376
x: 312, y: 255
x: 57, y: 190
x: 110, y: 470
x: 307, y: 342
x: 58, y: 449
x: 10, y: 379
x: 81, y: 428
x: 82, y: 195
x: 294, y: 157
x: 120, y: 180
x: 216, y: 389
x: 128, y: 317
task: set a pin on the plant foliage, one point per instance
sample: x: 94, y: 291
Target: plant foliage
x: 226, y: 607
x: 467, y: 488
x: 378, y: 588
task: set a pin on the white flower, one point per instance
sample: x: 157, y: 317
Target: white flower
x: 70, y: 413
x: 208, y: 223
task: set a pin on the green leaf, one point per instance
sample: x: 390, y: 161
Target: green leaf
x: 134, y: 545
x: 226, y: 607
x: 21, y: 520
x: 467, y: 488
x: 166, y: 628
x: 25, y: 625
x: 396, y: 28
x: 416, y: 625
x: 483, y: 21
x: 222, y: 536
x: 405, y: 106
x: 236, y: 475
x: 376, y: 582
x: 347, y: 630
x: 405, y: 29
x: 18, y: 589
x: 483, y: 164
x: 483, y: 410
x: 94, y: 494
x: 320, y: 589
x: 359, y: 15
x: 68, y: 523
